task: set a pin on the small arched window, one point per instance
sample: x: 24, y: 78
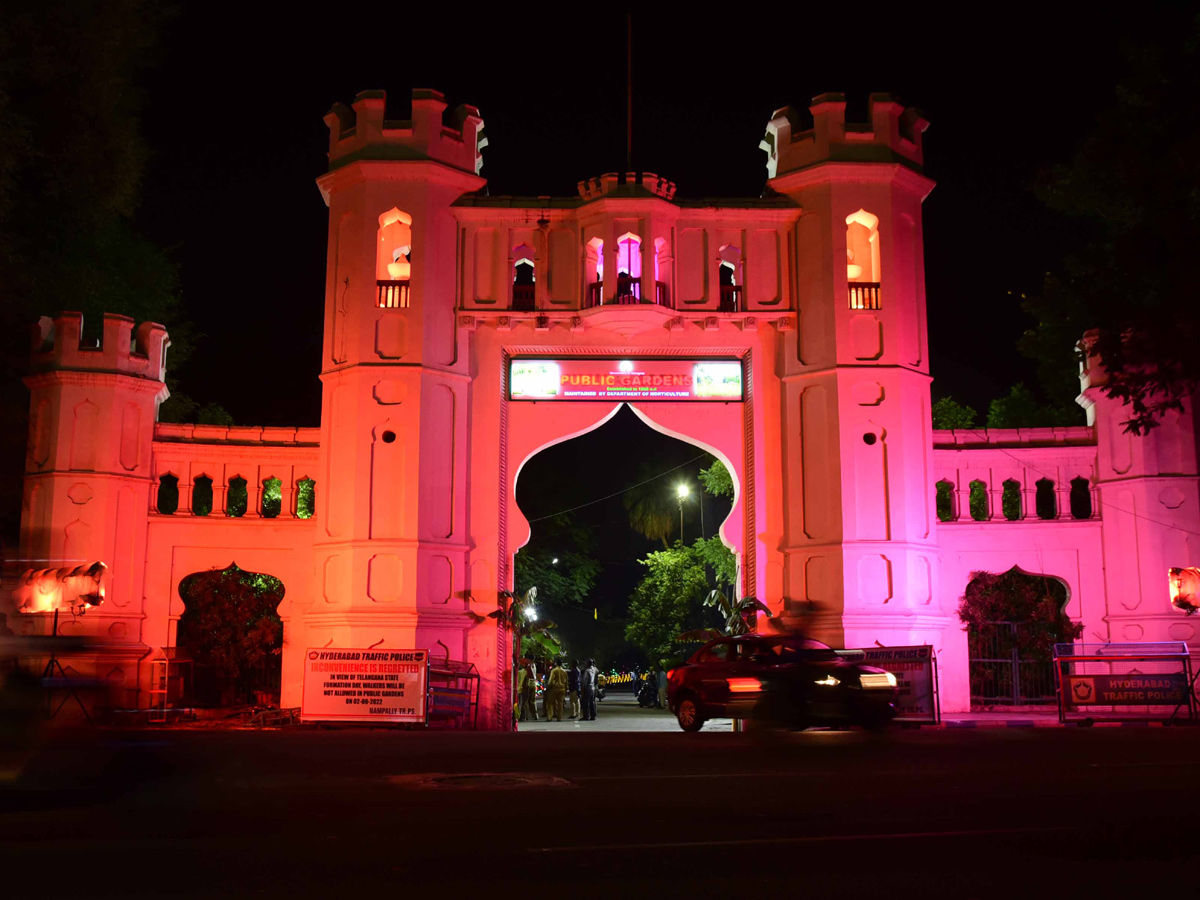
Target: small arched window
x: 945, y: 501
x: 272, y: 498
x: 202, y: 496
x: 862, y: 260
x: 629, y: 268
x: 1081, y: 498
x: 393, y: 259
x: 1045, y: 501
x: 236, y: 497
x: 1010, y: 500
x: 306, y: 498
x: 729, y: 277
x: 168, y: 495
x: 978, y: 501
x: 661, y: 291
x: 524, y: 278
x: 594, y: 263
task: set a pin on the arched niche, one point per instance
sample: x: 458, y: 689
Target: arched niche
x: 534, y: 427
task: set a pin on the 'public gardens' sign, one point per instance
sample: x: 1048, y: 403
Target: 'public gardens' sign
x: 365, y: 685
x: 625, y: 379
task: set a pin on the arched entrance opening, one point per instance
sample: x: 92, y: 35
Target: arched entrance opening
x: 629, y: 525
x: 1013, y: 620
x: 231, y: 630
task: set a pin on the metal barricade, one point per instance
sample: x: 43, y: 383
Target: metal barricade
x: 1123, y: 682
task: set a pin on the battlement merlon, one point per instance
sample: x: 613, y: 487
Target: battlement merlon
x: 629, y: 184
x: 141, y: 353
x: 360, y: 131
x: 893, y: 134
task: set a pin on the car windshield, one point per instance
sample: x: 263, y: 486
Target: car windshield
x: 791, y: 650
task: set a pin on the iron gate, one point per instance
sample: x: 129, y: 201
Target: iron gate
x: 999, y: 674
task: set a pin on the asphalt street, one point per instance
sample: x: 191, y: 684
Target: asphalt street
x: 306, y: 812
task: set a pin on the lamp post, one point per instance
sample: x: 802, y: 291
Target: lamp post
x: 681, y: 491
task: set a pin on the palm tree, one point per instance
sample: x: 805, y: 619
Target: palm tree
x: 653, y: 509
x: 735, y: 613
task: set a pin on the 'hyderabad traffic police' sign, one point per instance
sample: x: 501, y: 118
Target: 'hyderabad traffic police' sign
x: 364, y: 685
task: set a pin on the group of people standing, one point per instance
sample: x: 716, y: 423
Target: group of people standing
x: 577, y: 684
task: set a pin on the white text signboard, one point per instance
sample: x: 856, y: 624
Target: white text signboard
x: 364, y: 685
x: 913, y: 668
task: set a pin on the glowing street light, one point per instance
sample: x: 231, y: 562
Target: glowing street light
x: 682, y: 491
x: 554, y: 562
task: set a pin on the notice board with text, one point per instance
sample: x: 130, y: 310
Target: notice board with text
x: 371, y: 685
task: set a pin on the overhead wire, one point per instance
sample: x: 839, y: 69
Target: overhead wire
x: 620, y: 492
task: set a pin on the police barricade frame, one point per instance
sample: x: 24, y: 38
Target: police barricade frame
x: 1084, y: 678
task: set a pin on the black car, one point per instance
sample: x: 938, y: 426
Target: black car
x: 780, y: 680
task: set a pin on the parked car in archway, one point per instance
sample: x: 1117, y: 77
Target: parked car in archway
x: 779, y: 680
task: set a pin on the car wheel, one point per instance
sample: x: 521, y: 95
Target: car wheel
x: 688, y: 713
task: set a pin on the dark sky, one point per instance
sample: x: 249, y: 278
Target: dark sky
x: 234, y: 119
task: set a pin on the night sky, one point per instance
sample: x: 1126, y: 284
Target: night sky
x: 234, y: 111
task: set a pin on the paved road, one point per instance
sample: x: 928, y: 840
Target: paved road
x: 307, y: 813
x: 619, y: 712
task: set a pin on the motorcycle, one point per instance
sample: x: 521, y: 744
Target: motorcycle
x: 647, y: 696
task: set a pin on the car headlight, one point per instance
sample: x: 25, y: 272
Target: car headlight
x: 878, y: 680
x: 828, y: 681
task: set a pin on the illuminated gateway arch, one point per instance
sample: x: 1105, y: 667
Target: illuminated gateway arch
x: 464, y: 332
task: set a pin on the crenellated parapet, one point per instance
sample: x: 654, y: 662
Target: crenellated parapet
x: 891, y: 134
x: 58, y: 345
x: 360, y: 131
x: 629, y: 184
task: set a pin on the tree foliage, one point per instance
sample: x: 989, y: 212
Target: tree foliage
x: 1020, y: 409
x: 717, y: 480
x: 1133, y: 189
x: 568, y: 581
x: 1033, y: 601
x: 72, y: 158
x: 719, y: 559
x: 652, y: 505
x: 230, y: 627
x: 948, y: 413
x: 667, y: 600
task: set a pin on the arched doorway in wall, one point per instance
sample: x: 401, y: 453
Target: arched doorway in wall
x: 1013, y: 619
x: 627, y: 529
x: 232, y: 632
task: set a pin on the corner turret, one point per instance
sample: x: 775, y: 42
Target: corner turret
x: 892, y: 134
x: 360, y: 131
x: 122, y: 350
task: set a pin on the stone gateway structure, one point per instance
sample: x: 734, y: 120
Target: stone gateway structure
x: 464, y: 332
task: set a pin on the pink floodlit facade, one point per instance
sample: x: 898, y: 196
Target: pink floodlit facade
x: 816, y: 289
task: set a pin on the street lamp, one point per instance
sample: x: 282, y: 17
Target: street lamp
x: 682, y: 491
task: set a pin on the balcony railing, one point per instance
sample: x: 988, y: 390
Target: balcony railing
x: 629, y: 291
x: 392, y: 294
x: 731, y: 298
x: 523, y: 297
x: 864, y: 295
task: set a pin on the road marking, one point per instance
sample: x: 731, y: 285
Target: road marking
x: 822, y: 839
